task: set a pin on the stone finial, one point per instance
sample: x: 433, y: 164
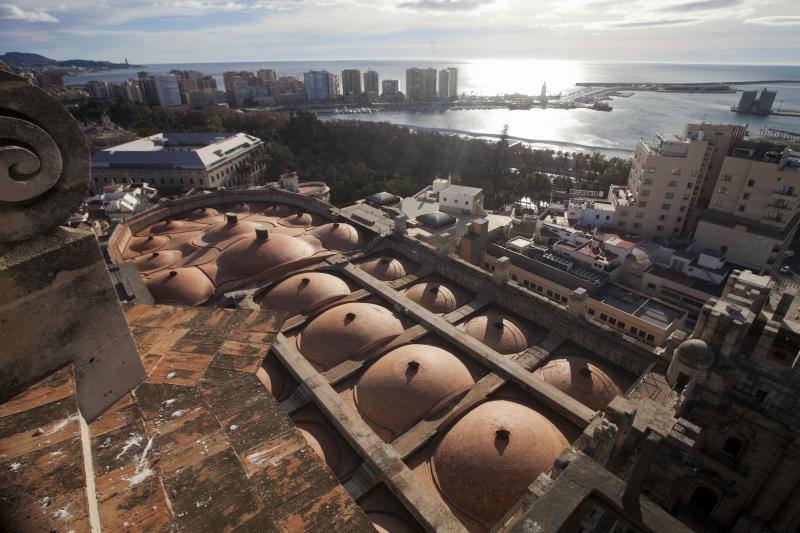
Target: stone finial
x: 44, y: 160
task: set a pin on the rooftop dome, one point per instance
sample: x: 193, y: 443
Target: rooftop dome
x: 186, y: 286
x: 277, y: 210
x: 384, y: 268
x: 436, y: 219
x: 297, y: 220
x: 695, y: 354
x: 259, y: 252
x: 304, y: 292
x: 171, y: 225
x: 434, y: 296
x: 143, y: 245
x: 408, y: 384
x: 347, y: 331
x: 200, y: 213
x: 323, y: 443
x: 241, y: 207
x: 499, y: 332
x: 581, y: 379
x: 486, y: 461
x: 382, y: 198
x: 224, y: 232
x: 155, y: 261
x: 338, y: 236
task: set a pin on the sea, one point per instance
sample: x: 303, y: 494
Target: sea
x: 640, y: 115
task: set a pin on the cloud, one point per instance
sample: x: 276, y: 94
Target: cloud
x: 12, y: 12
x: 702, y: 5
x: 650, y: 23
x: 776, y: 21
x: 444, y: 5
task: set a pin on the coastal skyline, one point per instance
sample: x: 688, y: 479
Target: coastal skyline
x: 700, y: 31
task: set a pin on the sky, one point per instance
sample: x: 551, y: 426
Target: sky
x: 156, y: 31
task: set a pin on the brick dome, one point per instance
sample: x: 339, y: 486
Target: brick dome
x: 253, y: 255
x: 184, y: 286
x: 408, y: 384
x: 297, y: 220
x: 199, y: 214
x: 485, y: 462
x: 324, y: 444
x: 347, y: 331
x: 695, y: 353
x: 241, y: 207
x: 389, y: 523
x: 277, y: 210
x: 384, y: 268
x: 155, y: 261
x: 304, y: 292
x: 338, y: 236
x: 581, y: 379
x: 434, y: 296
x: 143, y: 245
x: 171, y: 225
x: 223, y: 233
x: 499, y: 332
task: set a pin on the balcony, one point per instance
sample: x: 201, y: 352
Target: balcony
x: 780, y: 204
x: 789, y: 191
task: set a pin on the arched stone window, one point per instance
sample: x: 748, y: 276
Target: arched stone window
x: 703, y: 501
x: 733, y: 447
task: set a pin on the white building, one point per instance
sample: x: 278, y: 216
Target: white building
x: 457, y: 199
x: 176, y: 160
x: 590, y: 213
x: 169, y: 94
x: 321, y: 85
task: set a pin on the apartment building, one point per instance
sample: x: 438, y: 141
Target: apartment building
x: 420, y: 83
x: 754, y: 208
x: 448, y: 83
x: 169, y: 93
x: 371, y: 84
x: 321, y: 86
x: 390, y: 87
x: 668, y: 179
x: 351, y: 83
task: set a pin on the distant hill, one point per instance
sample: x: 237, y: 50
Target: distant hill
x: 23, y: 60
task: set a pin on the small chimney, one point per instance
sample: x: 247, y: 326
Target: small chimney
x: 262, y: 234
x: 231, y: 218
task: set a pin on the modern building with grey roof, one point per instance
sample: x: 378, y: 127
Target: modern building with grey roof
x: 178, y: 160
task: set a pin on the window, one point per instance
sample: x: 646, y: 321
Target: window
x: 651, y: 286
x: 648, y: 181
x: 640, y: 214
x: 672, y: 183
x: 666, y: 207
x: 645, y: 192
x: 722, y: 190
x: 750, y: 183
x: 590, y: 311
x: 621, y: 223
x: 603, y: 316
x: 650, y: 337
x: 703, y: 501
x: 733, y: 447
x: 727, y: 177
x: 444, y: 199
x: 514, y: 277
x: 723, y: 249
x: 651, y: 170
x: 740, y: 208
x: 669, y: 195
x: 746, y: 196
x: 659, y: 228
x: 662, y: 217
x: 634, y: 330
x: 621, y: 324
x: 678, y: 219
x: 612, y: 321
x: 676, y: 172
x: 642, y: 204
x: 623, y: 213
x: 636, y: 225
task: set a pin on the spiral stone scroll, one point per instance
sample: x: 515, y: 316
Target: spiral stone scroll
x: 44, y: 160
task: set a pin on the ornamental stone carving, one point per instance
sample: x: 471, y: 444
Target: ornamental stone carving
x: 44, y: 160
